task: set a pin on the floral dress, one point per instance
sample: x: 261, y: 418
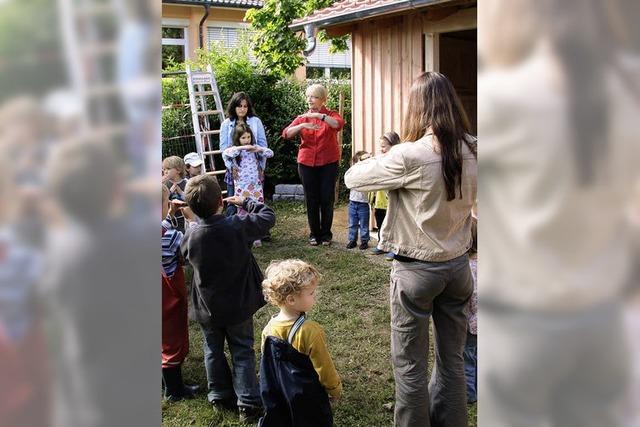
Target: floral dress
x: 248, y: 174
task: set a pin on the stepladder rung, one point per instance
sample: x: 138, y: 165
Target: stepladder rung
x: 211, y: 153
x: 205, y: 93
x: 208, y: 112
x: 209, y: 132
x: 220, y: 172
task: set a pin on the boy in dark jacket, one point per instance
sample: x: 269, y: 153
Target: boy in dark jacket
x: 226, y: 289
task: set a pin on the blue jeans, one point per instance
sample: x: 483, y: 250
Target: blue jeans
x: 222, y: 385
x: 470, y: 354
x: 231, y: 208
x: 358, y: 218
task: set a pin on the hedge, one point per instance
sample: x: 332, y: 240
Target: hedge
x: 277, y: 103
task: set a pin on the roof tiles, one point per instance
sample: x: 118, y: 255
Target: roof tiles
x: 343, y: 7
x: 222, y: 3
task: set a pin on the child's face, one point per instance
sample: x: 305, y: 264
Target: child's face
x: 306, y: 299
x: 384, y: 145
x: 194, y: 170
x: 171, y: 173
x: 245, y: 139
x: 242, y: 109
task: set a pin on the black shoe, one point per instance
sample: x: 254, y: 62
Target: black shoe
x: 193, y: 388
x: 175, y: 390
x: 225, y: 405
x: 352, y: 244
x: 364, y: 245
x: 250, y: 414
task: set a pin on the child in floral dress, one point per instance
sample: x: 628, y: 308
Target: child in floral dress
x: 247, y: 162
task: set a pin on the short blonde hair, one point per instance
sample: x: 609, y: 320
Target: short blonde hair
x: 284, y: 278
x: 318, y: 90
x: 175, y: 162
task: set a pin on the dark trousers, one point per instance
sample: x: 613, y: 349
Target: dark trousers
x: 319, y: 185
x: 421, y: 291
x: 379, y: 214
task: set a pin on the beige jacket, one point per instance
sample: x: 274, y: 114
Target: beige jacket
x: 420, y: 223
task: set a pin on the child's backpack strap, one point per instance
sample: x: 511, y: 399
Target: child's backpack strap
x: 295, y: 327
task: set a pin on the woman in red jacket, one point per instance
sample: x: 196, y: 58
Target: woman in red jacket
x: 317, y: 161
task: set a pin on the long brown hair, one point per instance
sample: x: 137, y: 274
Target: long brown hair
x: 433, y: 103
x: 240, y: 130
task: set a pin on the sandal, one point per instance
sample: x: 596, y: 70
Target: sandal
x: 313, y: 241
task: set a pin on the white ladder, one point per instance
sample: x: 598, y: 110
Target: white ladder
x: 202, y: 84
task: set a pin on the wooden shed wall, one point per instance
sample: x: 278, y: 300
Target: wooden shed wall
x: 388, y: 54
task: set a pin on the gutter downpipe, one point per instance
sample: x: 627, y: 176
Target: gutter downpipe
x: 310, y: 34
x: 202, y: 21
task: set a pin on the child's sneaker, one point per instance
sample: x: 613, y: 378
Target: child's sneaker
x: 352, y: 244
x: 389, y: 256
x: 250, y: 414
x: 364, y: 245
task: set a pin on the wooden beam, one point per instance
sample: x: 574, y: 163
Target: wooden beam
x: 437, y: 14
x: 340, y: 30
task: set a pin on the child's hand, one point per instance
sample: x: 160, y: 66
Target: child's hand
x: 188, y: 214
x: 176, y: 189
x: 234, y: 200
x: 175, y: 205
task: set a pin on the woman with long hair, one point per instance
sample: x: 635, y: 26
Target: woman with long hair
x: 239, y: 111
x: 431, y: 180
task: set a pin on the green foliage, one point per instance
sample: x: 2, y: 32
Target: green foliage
x: 276, y: 103
x: 278, y: 49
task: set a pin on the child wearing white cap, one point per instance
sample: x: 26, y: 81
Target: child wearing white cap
x: 193, y: 163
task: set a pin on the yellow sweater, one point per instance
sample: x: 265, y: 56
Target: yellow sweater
x: 379, y: 199
x: 310, y: 340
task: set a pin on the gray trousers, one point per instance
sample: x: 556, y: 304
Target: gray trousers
x: 420, y: 290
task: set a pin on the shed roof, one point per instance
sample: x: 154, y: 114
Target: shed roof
x: 353, y: 10
x: 238, y: 4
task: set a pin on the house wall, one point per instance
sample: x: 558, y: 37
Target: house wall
x: 193, y: 14
x: 388, y: 54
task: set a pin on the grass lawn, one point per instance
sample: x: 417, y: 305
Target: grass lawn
x: 352, y: 307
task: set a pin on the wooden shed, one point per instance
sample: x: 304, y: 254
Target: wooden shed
x: 393, y: 41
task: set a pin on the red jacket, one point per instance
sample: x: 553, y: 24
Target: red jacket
x: 318, y: 147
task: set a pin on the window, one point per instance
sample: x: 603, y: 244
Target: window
x: 229, y: 34
x: 174, y: 45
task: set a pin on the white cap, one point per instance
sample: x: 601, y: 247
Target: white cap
x: 192, y: 159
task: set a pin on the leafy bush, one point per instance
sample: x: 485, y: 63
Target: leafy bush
x: 276, y: 103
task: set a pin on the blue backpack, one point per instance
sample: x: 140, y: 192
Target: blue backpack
x: 291, y: 392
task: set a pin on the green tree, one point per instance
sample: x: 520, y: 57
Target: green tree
x: 277, y: 48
